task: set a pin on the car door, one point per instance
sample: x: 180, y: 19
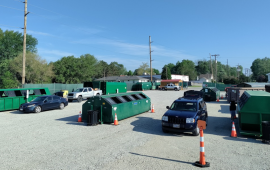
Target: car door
x: 91, y: 92
x: 85, y: 93
x: 47, y: 103
x: 56, y: 102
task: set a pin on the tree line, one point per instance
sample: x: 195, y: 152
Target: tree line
x: 71, y: 69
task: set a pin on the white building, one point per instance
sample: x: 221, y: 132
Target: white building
x: 205, y: 78
x: 182, y: 77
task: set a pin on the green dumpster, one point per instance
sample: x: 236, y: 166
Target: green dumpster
x: 141, y: 86
x: 11, y: 99
x: 252, y: 109
x: 210, y: 93
x: 113, y: 87
x: 125, y: 105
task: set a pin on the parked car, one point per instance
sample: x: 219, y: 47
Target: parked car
x: 83, y: 93
x: 183, y: 114
x: 42, y: 103
x: 171, y: 86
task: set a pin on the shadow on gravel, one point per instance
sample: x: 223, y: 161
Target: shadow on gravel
x: 72, y: 120
x: 17, y: 112
x: 223, y: 126
x: 224, y: 109
x: 153, y: 126
x: 166, y: 159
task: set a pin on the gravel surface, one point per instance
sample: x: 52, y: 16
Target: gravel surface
x: 55, y: 140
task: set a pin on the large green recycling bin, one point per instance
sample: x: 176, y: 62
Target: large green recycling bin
x: 113, y: 87
x: 210, y: 93
x: 141, y: 86
x: 252, y: 109
x: 123, y: 104
x: 11, y: 99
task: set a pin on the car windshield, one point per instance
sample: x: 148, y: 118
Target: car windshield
x: 39, y: 99
x: 78, y: 90
x: 184, y: 106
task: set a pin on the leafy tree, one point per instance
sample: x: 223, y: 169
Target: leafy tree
x: 165, y: 76
x: 203, y: 67
x: 116, y: 69
x: 171, y: 66
x: 37, y: 70
x: 129, y: 73
x: 186, y: 67
x: 11, y: 44
x: 261, y: 78
x: 101, y: 69
x: 144, y: 68
x: 155, y: 71
x: 260, y: 67
x: 135, y: 72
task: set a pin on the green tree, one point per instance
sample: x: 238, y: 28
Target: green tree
x: 260, y: 67
x: 166, y: 75
x: 155, y: 71
x: 116, y: 69
x: 11, y: 44
x: 203, y: 67
x: 144, y: 68
x: 186, y: 67
x: 129, y: 73
x: 37, y: 70
x: 101, y: 69
x: 135, y: 72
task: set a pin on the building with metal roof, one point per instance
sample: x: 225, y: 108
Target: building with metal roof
x: 252, y: 84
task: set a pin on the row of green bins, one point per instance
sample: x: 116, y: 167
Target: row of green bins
x: 253, y: 108
x: 113, y: 87
x: 141, y: 86
x: 125, y: 105
x: 210, y: 93
x: 11, y: 99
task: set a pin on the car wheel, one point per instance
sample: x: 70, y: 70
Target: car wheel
x: 196, y: 131
x: 38, y: 109
x: 61, y: 106
x: 175, y: 89
x: 79, y: 99
x: 97, y: 94
x: 163, y: 88
x: 164, y: 131
x: 70, y: 100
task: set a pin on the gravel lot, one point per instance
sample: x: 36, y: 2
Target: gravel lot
x: 55, y: 140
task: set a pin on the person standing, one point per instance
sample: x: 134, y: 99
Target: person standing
x: 232, y: 109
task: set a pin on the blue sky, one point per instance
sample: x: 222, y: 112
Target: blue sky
x: 119, y: 30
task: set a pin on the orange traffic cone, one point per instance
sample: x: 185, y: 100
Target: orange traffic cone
x: 202, y: 162
x: 153, y: 110
x: 115, y: 120
x: 80, y: 117
x: 233, y: 133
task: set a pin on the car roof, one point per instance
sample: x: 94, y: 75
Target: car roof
x: 189, y: 99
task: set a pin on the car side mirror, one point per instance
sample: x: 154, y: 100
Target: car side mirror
x: 167, y: 107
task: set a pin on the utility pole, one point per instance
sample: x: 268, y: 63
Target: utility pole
x: 216, y: 67
x: 150, y: 58
x: 211, y: 65
x: 24, y: 41
x: 228, y: 72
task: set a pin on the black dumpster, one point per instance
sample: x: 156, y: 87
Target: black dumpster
x: 92, y: 117
x: 60, y: 94
x: 266, y: 132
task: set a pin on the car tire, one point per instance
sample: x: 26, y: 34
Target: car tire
x: 61, y: 106
x: 97, y: 94
x: 79, y: 99
x: 196, y: 131
x: 163, y: 89
x: 175, y: 89
x: 37, y: 109
x: 165, y: 131
x: 70, y: 100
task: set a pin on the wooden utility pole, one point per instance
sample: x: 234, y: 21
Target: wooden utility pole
x: 24, y: 41
x: 238, y: 71
x: 211, y: 65
x: 166, y: 74
x: 228, y: 72
x: 150, y: 58
x: 216, y: 67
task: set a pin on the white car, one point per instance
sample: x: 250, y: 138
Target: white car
x: 83, y: 93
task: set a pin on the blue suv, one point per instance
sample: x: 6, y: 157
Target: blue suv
x: 183, y: 114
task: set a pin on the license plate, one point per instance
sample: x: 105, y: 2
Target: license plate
x: 176, y: 125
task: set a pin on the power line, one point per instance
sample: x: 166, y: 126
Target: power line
x: 11, y: 8
x: 9, y: 26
